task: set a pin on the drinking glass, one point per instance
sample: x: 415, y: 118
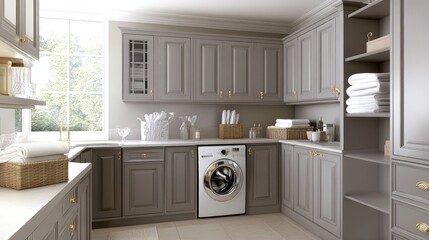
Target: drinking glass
x: 123, y: 132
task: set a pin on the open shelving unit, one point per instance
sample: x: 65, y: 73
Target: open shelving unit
x: 366, y: 170
x: 18, y: 103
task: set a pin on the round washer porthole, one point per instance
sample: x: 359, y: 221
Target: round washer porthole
x: 223, y: 180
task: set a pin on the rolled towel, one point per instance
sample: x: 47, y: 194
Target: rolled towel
x: 380, y: 99
x: 293, y: 121
x: 39, y: 149
x: 284, y: 125
x: 368, y: 77
x: 368, y: 89
x: 38, y: 159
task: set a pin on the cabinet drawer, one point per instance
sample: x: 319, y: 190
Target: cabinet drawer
x: 143, y: 154
x: 410, y: 220
x: 69, y: 201
x: 411, y: 181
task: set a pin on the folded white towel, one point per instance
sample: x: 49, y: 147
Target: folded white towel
x: 367, y: 109
x: 20, y: 159
x: 38, y: 149
x: 368, y: 77
x: 380, y: 99
x: 368, y: 89
x: 283, y: 125
x: 293, y: 121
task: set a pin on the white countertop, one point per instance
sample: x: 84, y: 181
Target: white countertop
x: 78, y: 147
x: 22, y: 210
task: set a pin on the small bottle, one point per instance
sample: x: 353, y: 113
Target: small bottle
x: 197, y: 134
x: 259, y: 131
x: 320, y: 124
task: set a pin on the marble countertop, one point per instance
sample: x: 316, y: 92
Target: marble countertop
x: 23, y: 210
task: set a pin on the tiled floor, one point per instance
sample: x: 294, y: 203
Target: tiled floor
x: 247, y: 227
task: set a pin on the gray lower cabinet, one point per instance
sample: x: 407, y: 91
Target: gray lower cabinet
x: 262, y: 175
x: 106, y: 182
x: 173, y: 69
x: 303, y: 182
x: 84, y: 194
x: 180, y: 179
x: 143, y: 188
x: 287, y: 175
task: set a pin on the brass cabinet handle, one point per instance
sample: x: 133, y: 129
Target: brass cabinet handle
x: 422, y: 227
x: 317, y: 154
x: 422, y: 185
x: 249, y: 151
x: 192, y: 153
x: 294, y: 93
x: 119, y: 156
x: 336, y: 91
x: 261, y: 94
x: 72, y: 199
x: 151, y: 92
x: 229, y: 93
x: 143, y: 155
x: 311, y: 152
x: 22, y: 40
x: 221, y: 94
x: 72, y: 227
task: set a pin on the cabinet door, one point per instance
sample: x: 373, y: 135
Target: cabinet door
x: 270, y: 72
x: 326, y: 60
x: 48, y: 228
x: 10, y: 20
x: 85, y: 208
x: 29, y: 27
x: 303, y: 183
x: 173, y: 68
x: 180, y: 178
x: 143, y: 188
x: 306, y: 66
x: 239, y: 71
x: 137, y: 81
x: 290, y: 92
x: 327, y: 197
x: 207, y: 69
x: 287, y: 179
x: 86, y: 156
x: 262, y: 177
x: 410, y: 79
x: 106, y: 182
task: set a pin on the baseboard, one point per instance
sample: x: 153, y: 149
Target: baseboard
x: 309, y: 225
x: 263, y: 209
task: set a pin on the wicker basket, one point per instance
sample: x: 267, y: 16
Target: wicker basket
x: 288, y: 133
x: 29, y: 175
x: 230, y: 131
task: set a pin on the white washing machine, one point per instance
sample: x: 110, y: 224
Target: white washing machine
x: 221, y: 180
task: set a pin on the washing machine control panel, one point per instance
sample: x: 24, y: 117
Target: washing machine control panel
x: 231, y: 152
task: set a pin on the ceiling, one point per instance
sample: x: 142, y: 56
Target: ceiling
x: 258, y: 12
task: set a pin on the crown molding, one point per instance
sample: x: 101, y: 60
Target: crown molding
x: 323, y: 10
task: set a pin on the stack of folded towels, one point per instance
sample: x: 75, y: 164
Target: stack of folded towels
x: 368, y: 93
x: 34, y: 152
x: 292, y: 123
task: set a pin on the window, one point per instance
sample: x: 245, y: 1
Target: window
x: 70, y: 77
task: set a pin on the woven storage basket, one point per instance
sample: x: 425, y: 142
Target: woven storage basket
x: 28, y: 175
x: 288, y: 133
x: 230, y: 131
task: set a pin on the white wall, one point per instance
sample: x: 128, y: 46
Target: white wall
x: 124, y: 114
x: 7, y: 121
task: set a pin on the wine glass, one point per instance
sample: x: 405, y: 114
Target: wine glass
x: 123, y: 132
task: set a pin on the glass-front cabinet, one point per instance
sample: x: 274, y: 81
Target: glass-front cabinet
x: 137, y: 67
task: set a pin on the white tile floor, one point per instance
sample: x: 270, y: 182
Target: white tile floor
x: 247, y: 227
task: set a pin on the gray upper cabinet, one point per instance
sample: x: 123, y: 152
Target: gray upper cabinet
x: 19, y: 25
x: 138, y: 68
x: 208, y: 69
x: 303, y: 182
x: 270, y: 72
x: 306, y: 66
x: 327, y: 196
x: 287, y: 173
x: 239, y: 71
x: 106, y: 182
x: 180, y: 179
x: 326, y: 45
x: 290, y: 92
x: 173, y: 58
x: 262, y: 175
x: 410, y: 71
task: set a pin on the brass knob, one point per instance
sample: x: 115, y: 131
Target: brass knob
x: 261, y: 94
x: 422, y: 185
x: 229, y: 93
x: 336, y: 91
x: 22, y: 40
x: 221, y: 94
x: 294, y: 93
x: 192, y: 153
x: 72, y: 199
x: 311, y: 152
x: 72, y: 227
x: 422, y: 227
x: 151, y: 92
x: 249, y: 151
x: 143, y: 155
x: 119, y: 156
x: 318, y: 154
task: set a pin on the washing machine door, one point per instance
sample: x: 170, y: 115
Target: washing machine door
x: 223, y: 179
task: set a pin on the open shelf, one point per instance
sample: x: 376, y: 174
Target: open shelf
x: 376, y: 10
x: 375, y: 115
x: 16, y: 102
x: 380, y: 55
x: 371, y: 155
x: 377, y: 201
